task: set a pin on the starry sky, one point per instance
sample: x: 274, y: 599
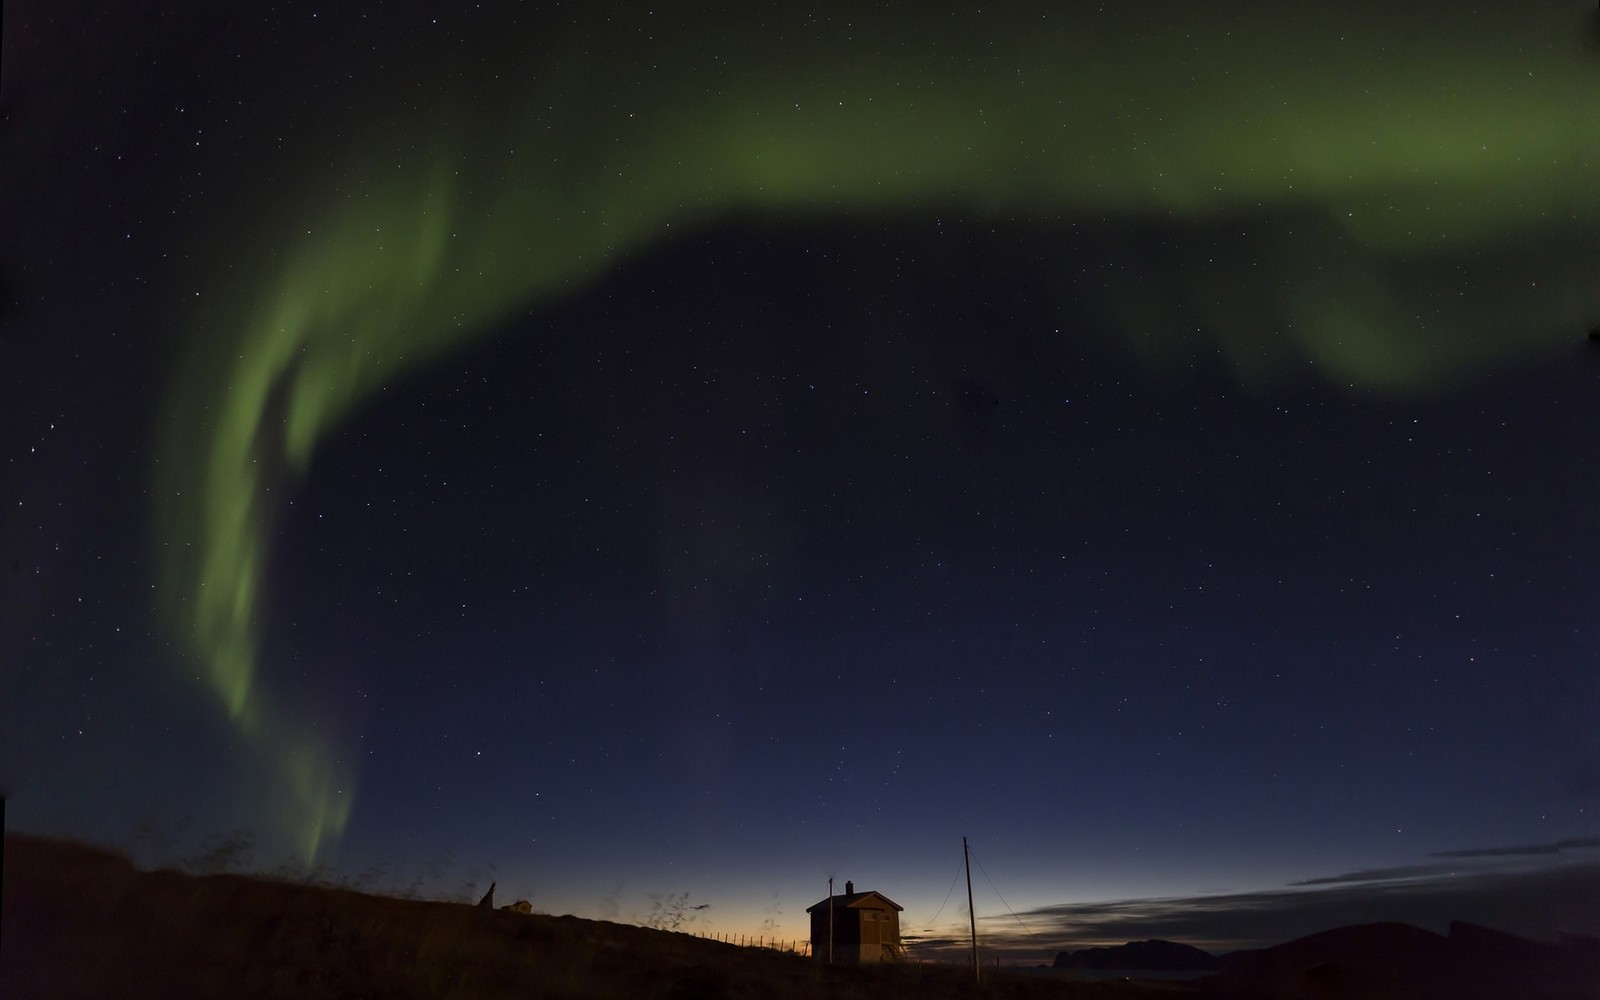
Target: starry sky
x: 623, y: 453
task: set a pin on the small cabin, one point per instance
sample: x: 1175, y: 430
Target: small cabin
x: 856, y: 928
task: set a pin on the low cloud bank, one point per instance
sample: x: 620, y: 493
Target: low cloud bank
x: 1543, y: 903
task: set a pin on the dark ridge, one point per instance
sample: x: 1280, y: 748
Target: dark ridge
x: 1153, y: 956
x: 1401, y: 962
x: 85, y: 923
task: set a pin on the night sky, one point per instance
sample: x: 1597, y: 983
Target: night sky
x: 623, y: 454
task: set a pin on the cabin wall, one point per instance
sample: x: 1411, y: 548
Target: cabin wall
x: 880, y: 926
x: 862, y: 934
x: 846, y: 934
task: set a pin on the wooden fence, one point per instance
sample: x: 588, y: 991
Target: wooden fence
x: 789, y: 946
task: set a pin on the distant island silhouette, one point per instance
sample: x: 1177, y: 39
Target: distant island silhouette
x: 1149, y: 956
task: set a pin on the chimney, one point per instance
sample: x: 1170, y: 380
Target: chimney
x: 849, y: 888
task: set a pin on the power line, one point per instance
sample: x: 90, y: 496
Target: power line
x: 1042, y: 946
x: 953, y: 881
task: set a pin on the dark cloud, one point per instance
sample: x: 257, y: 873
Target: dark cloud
x: 1521, y: 850
x: 1381, y: 874
x: 1542, y: 904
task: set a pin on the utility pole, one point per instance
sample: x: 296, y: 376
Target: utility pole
x: 972, y: 915
x: 830, y: 920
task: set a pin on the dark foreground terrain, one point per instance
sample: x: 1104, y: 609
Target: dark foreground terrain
x: 82, y: 922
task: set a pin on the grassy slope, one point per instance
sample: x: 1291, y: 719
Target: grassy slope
x: 81, y: 922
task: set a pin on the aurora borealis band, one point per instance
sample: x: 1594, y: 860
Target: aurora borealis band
x: 713, y: 452
x: 1385, y: 137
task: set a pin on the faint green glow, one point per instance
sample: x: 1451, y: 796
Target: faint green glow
x: 1366, y: 142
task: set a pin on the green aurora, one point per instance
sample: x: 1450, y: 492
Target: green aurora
x: 1414, y: 199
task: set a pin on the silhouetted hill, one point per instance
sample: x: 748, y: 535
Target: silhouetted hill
x: 1383, y: 961
x: 1154, y: 956
x: 79, y: 922
x: 84, y: 923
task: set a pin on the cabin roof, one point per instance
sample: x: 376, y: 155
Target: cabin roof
x: 843, y: 899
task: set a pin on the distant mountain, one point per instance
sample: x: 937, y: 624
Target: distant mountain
x: 1382, y: 961
x: 1151, y: 956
